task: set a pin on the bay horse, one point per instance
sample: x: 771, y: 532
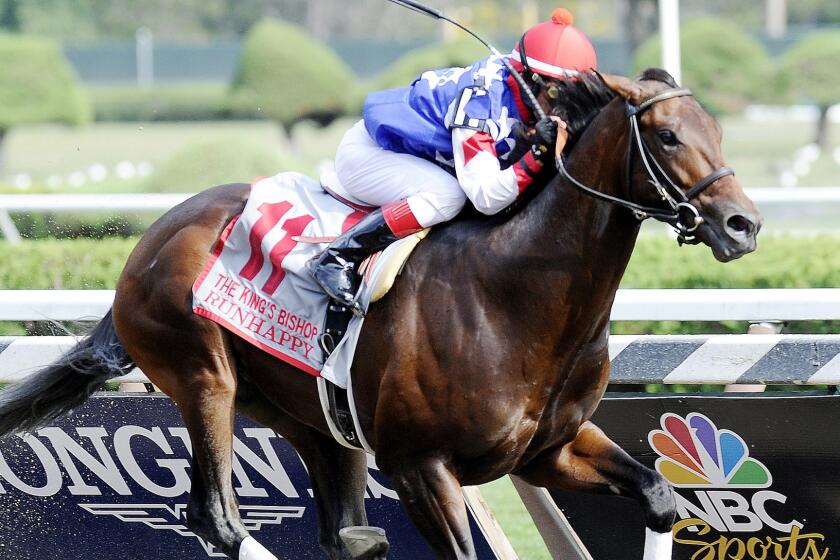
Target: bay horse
x: 487, y: 358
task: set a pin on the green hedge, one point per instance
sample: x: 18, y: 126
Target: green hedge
x: 286, y: 75
x: 72, y: 226
x: 780, y: 262
x: 80, y: 264
x: 186, y: 102
x: 407, y: 68
x: 215, y: 162
x: 37, y: 84
x: 809, y: 71
x: 444, y: 55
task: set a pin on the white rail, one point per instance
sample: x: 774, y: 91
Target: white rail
x: 630, y: 305
x: 727, y: 305
x: 146, y: 202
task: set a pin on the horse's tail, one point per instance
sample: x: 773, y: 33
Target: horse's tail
x: 66, y: 383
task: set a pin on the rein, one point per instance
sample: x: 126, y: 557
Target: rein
x: 681, y: 214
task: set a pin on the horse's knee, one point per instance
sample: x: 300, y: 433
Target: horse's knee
x: 659, y: 503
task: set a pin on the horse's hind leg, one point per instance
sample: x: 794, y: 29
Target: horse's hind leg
x: 593, y: 463
x: 435, y: 502
x: 203, y: 385
x: 338, y: 474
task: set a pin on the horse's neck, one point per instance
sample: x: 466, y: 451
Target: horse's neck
x: 585, y: 243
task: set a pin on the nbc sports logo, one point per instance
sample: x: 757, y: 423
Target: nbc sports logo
x: 724, y: 498
x: 695, y: 454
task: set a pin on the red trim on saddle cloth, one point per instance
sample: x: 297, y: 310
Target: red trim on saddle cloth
x: 400, y: 219
x: 476, y: 144
x: 523, y: 109
x: 214, y: 256
x: 274, y: 352
x: 525, y: 170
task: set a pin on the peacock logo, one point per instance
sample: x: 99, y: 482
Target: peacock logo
x: 694, y: 453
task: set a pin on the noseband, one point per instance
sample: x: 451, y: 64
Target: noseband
x: 680, y: 214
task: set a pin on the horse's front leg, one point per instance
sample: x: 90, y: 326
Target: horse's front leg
x: 591, y: 462
x: 433, y: 498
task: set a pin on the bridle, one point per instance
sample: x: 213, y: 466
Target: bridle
x: 680, y: 214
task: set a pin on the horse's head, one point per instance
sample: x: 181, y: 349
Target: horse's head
x: 676, y: 164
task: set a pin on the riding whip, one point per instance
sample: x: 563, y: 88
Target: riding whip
x: 436, y: 14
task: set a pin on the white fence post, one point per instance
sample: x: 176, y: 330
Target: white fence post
x: 765, y: 327
x: 7, y: 226
x: 669, y: 30
x: 145, y: 57
x: 555, y: 530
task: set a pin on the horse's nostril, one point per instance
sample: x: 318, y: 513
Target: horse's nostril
x: 740, y: 224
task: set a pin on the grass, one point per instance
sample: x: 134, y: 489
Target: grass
x: 514, y: 519
x: 755, y: 150
x: 44, y: 150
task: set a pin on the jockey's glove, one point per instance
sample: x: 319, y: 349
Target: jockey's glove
x: 545, y: 136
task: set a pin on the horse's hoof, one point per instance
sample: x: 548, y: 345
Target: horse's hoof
x: 365, y: 543
x: 250, y: 549
x: 658, y: 546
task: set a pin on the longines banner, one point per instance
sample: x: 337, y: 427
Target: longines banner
x: 112, y: 481
x: 757, y: 478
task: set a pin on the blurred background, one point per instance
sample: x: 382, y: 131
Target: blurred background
x: 158, y: 95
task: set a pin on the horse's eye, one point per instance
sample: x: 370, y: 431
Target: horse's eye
x: 668, y: 137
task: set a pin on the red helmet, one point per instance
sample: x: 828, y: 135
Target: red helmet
x: 555, y: 48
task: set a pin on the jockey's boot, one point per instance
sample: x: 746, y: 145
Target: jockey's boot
x: 335, y: 269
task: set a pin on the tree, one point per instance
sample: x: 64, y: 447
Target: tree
x: 809, y: 72
x: 405, y: 70
x: 37, y: 85
x: 286, y: 75
x: 10, y: 15
x: 724, y: 66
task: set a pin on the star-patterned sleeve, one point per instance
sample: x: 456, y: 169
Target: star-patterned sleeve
x: 490, y: 188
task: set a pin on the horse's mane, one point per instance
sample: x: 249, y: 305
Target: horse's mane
x: 583, y: 98
x: 658, y: 75
x: 580, y: 101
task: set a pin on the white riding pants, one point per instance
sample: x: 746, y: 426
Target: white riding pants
x: 378, y: 176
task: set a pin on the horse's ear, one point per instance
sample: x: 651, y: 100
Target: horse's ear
x: 629, y: 89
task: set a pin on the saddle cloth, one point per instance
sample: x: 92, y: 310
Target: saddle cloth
x: 255, y: 283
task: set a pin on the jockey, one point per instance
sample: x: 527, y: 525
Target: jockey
x: 421, y: 151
